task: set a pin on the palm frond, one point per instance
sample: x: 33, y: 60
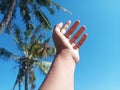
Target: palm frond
x: 61, y: 7
x: 35, y: 34
x: 4, y: 4
x: 16, y: 57
x: 8, y: 28
x: 43, y: 19
x: 32, y: 79
x: 8, y: 15
x: 24, y: 11
x: 43, y: 65
x: 51, y: 51
x: 28, y: 31
x: 5, y: 53
x: 17, y: 34
x: 30, y: 1
x: 41, y: 37
x: 47, y: 4
x: 47, y: 49
x: 44, y: 2
x: 51, y: 10
x: 33, y: 47
x: 19, y: 39
x: 19, y: 78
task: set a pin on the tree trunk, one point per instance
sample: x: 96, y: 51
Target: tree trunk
x: 8, y: 15
x: 19, y: 85
x: 26, y: 77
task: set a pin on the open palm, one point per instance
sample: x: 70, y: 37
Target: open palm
x: 62, y: 39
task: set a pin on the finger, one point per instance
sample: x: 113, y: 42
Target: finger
x: 59, y: 26
x: 72, y: 29
x: 65, y: 27
x: 78, y: 45
x: 77, y: 34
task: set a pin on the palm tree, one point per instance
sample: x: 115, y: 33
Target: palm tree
x: 30, y: 40
x: 27, y: 10
x: 9, y: 13
x: 33, y: 49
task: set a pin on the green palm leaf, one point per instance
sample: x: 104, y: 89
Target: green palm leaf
x: 5, y: 53
x: 19, y: 78
x: 43, y: 19
x: 35, y: 34
x: 8, y: 14
x: 19, y: 39
x: 32, y: 78
x: 43, y: 65
x: 61, y: 7
x: 4, y: 5
x: 24, y: 11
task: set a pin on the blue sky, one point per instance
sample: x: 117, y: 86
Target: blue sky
x: 99, y: 66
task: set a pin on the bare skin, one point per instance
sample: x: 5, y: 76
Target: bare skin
x: 61, y: 74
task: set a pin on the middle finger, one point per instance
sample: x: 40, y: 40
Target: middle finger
x: 77, y: 34
x: 68, y: 33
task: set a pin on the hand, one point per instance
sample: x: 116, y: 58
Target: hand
x: 64, y: 43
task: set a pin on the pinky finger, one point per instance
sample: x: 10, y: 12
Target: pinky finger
x: 78, y: 45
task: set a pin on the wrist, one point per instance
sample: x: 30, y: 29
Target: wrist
x: 64, y: 59
x: 68, y: 53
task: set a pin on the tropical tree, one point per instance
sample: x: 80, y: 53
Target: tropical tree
x: 33, y: 48
x: 27, y: 10
x: 30, y: 39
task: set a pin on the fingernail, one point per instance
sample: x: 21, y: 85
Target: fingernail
x: 86, y: 34
x: 61, y: 23
x: 69, y: 21
x: 84, y: 26
x: 78, y: 21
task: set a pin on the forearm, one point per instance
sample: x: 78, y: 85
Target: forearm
x: 61, y: 74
